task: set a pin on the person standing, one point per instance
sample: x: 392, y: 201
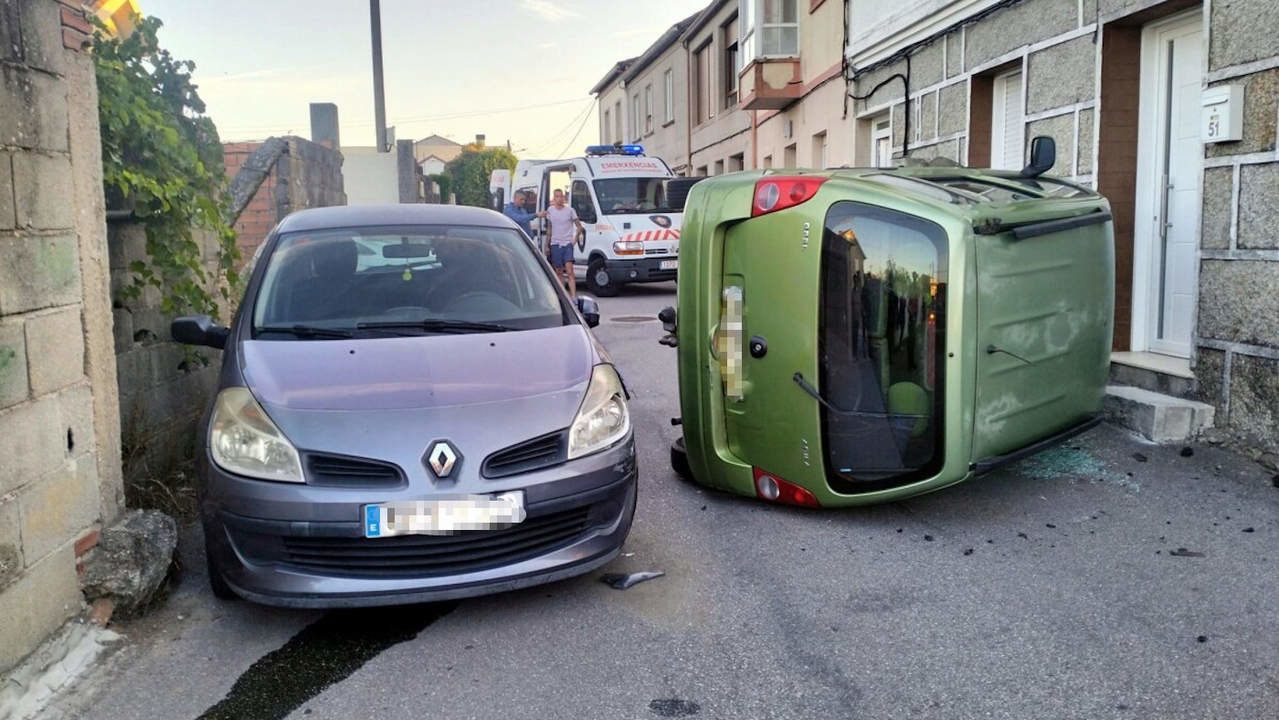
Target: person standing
x: 515, y: 211
x: 564, y: 229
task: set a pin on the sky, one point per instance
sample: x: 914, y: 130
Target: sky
x: 517, y: 70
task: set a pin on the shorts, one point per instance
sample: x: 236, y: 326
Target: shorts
x: 561, y: 255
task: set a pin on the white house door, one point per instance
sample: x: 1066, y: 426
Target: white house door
x: 1172, y: 73
x: 1007, y: 123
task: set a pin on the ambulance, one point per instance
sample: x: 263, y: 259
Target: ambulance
x: 631, y: 229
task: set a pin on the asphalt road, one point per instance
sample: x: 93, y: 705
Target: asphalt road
x: 1046, y: 590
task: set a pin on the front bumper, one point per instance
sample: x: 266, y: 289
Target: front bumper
x: 641, y: 270
x: 575, y: 524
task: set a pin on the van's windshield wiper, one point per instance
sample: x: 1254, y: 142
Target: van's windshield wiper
x: 307, y: 331
x: 460, y: 326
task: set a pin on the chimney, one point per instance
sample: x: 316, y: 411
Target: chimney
x: 324, y: 125
x: 479, y: 139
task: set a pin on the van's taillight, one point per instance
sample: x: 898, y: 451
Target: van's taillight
x: 770, y: 487
x: 773, y: 192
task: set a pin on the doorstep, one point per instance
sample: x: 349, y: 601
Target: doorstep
x: 1151, y: 371
x: 1155, y: 416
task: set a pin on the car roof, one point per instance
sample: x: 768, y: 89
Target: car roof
x: 341, y: 216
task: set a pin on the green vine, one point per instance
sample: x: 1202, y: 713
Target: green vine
x: 161, y: 158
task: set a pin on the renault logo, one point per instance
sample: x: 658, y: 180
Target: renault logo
x: 442, y: 458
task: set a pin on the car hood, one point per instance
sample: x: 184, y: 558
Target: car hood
x: 421, y: 372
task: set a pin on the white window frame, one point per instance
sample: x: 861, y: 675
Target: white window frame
x: 881, y: 137
x: 668, y: 82
x: 635, y: 116
x: 750, y: 42
x: 607, y: 128
x: 648, y: 109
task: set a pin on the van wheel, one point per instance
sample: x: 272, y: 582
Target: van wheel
x: 679, y: 460
x: 217, y: 583
x: 598, y: 280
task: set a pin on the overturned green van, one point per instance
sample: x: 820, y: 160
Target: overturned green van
x: 857, y: 336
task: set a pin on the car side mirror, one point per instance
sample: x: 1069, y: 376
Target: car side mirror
x: 199, y: 330
x: 1043, y: 155
x: 590, y: 311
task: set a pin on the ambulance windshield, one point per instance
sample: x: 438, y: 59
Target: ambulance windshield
x: 632, y: 195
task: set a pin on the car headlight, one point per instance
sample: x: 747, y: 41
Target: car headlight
x: 243, y: 440
x: 603, y: 418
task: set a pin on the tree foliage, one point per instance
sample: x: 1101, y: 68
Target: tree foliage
x: 469, y: 172
x: 161, y: 157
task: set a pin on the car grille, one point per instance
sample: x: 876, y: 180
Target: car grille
x: 656, y: 251
x: 540, y: 452
x: 431, y: 555
x: 336, y: 471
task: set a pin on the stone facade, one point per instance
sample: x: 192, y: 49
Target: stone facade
x: 59, y: 417
x: 1080, y: 63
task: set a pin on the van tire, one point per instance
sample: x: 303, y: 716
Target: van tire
x: 679, y: 460
x: 595, y: 271
x: 677, y: 191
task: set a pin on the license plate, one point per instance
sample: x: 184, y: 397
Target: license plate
x: 445, y: 515
x: 669, y: 265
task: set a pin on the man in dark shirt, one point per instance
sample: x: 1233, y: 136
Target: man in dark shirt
x: 515, y: 211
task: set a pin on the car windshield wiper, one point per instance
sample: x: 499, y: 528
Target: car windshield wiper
x: 434, y: 326
x: 307, y: 331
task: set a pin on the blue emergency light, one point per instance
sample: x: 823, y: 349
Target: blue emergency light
x: 618, y: 149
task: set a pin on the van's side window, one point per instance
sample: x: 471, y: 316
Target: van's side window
x: 882, y: 344
x: 582, y: 203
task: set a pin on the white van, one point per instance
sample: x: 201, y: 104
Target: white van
x: 631, y: 233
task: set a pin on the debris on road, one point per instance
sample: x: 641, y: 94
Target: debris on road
x: 1183, y: 552
x: 1249, y: 529
x: 624, y: 581
x: 1187, y: 451
x: 131, y: 561
x: 1139, y: 457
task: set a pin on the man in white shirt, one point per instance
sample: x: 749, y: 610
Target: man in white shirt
x: 564, y: 229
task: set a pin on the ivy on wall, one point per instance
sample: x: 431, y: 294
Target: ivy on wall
x: 469, y: 172
x: 162, y: 159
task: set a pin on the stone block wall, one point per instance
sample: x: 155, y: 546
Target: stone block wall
x: 303, y: 175
x: 59, y: 418
x: 1238, y: 329
x: 163, y: 393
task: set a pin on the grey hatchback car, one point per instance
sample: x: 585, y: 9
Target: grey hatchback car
x: 409, y: 409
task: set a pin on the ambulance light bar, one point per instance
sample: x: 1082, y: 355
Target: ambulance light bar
x: 618, y: 149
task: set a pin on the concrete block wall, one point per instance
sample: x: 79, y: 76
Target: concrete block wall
x: 162, y: 393
x: 59, y: 418
x: 306, y: 175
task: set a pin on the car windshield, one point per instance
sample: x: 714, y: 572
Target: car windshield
x: 632, y: 195
x: 377, y: 282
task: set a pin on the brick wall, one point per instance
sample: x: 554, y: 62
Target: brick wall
x: 304, y: 175
x: 59, y: 436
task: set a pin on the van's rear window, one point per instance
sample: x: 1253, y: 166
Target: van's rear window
x: 882, y: 346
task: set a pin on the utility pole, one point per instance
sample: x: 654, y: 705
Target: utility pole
x: 379, y: 97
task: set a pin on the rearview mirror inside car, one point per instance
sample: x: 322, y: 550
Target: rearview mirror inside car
x: 407, y: 250
x: 590, y: 311
x: 199, y: 330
